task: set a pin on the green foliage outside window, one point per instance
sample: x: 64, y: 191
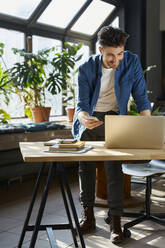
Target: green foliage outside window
x: 5, y: 88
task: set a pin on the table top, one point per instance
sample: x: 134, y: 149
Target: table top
x: 36, y: 152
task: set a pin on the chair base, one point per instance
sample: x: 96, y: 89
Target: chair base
x: 140, y: 217
x: 158, y: 218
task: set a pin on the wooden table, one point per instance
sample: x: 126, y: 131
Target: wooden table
x: 35, y: 152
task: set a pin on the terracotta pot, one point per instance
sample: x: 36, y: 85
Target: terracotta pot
x: 40, y: 114
x: 70, y: 113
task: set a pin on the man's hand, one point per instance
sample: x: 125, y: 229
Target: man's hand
x: 88, y: 121
x: 145, y: 112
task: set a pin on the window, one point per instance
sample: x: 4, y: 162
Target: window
x: 19, y: 8
x: 93, y: 17
x: 115, y: 24
x: 11, y: 39
x: 55, y: 101
x: 74, y: 79
x: 60, y: 12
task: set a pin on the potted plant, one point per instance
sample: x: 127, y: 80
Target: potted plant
x: 69, y: 96
x: 5, y: 88
x: 30, y: 78
x: 64, y: 64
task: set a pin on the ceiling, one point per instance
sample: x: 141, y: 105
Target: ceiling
x: 71, y: 20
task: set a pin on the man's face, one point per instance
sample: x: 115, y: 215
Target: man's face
x: 111, y: 56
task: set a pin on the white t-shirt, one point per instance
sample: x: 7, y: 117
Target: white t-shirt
x: 107, y: 98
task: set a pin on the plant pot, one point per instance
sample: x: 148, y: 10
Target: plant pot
x: 70, y: 113
x: 40, y: 114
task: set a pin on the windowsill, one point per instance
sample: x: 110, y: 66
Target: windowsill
x: 28, y: 120
x: 11, y: 141
x: 61, y: 119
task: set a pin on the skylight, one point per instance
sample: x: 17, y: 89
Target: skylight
x: 115, y: 23
x: 19, y: 8
x: 93, y: 17
x: 60, y: 12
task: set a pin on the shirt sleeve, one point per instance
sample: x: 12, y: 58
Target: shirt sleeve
x: 83, y: 90
x: 139, y: 90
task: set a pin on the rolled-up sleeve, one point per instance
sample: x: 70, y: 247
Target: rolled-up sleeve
x: 83, y: 90
x: 139, y: 89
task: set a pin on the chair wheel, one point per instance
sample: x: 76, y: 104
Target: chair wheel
x: 127, y: 233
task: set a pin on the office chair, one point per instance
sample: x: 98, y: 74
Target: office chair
x: 146, y: 170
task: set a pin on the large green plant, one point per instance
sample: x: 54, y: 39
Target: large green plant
x: 32, y: 76
x: 5, y: 88
x: 46, y: 70
x: 64, y: 71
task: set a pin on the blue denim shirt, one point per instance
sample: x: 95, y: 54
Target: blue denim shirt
x: 129, y: 79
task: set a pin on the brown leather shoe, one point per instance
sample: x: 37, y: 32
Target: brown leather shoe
x: 87, y: 222
x: 116, y: 235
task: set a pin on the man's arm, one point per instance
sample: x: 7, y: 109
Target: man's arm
x: 139, y: 90
x: 145, y: 112
x: 84, y: 99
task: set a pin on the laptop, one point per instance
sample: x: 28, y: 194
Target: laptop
x: 124, y: 131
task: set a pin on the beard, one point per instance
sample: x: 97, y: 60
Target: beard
x: 112, y: 65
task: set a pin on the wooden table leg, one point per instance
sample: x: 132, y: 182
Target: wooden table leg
x: 101, y: 189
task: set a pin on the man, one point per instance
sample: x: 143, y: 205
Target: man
x: 105, y: 83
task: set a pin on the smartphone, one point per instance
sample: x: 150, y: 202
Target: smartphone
x: 93, y: 118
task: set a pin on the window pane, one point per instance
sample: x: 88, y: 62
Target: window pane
x: 40, y: 43
x: 60, y: 12
x: 53, y: 101
x: 11, y: 39
x: 115, y: 23
x: 19, y: 8
x: 84, y: 51
x: 93, y: 17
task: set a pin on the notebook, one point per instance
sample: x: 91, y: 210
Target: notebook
x: 124, y: 131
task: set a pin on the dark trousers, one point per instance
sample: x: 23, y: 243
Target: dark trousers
x: 87, y: 174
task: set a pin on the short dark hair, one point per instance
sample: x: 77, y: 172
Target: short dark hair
x: 109, y: 36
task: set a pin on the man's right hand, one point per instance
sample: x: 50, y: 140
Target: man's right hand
x: 88, y: 121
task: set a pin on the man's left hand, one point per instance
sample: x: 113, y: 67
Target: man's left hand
x: 145, y: 112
